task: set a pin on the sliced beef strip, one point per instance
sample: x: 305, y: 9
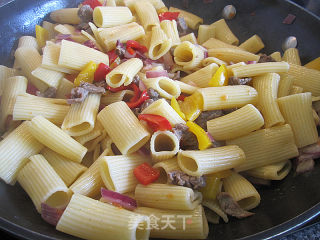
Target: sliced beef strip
x: 85, y: 13
x: 80, y: 93
x: 115, y: 150
x: 239, y: 81
x: 231, y: 207
x: 146, y: 104
x: 51, y: 92
x: 120, y: 49
x: 182, y: 26
x: 188, y: 141
x: 229, y: 110
x: 304, y: 163
x: 204, y: 117
x: 265, y: 58
x: 182, y: 179
x: 136, y: 80
x: 153, y: 94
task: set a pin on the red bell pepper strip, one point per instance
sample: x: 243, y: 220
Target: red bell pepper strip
x: 131, y: 51
x: 118, y: 89
x: 181, y: 97
x: 136, y: 91
x: 101, y: 72
x: 168, y: 16
x: 112, y: 56
x: 92, y: 3
x: 143, y: 97
x: 156, y: 122
x: 136, y: 46
x: 146, y: 174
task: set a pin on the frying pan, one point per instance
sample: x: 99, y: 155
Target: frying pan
x: 285, y: 205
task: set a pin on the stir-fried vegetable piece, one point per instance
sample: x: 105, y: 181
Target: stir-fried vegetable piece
x: 42, y: 35
x: 168, y: 16
x: 156, y: 122
x: 92, y: 3
x: 176, y: 107
x: 136, y: 46
x: 203, y: 140
x: 101, y: 72
x: 87, y: 74
x: 146, y: 174
x: 192, y: 106
x: 220, y: 78
x: 118, y: 199
x: 112, y: 56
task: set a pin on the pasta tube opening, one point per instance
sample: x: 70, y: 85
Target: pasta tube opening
x: 80, y: 127
x: 107, y: 179
x: 141, y: 230
x: 58, y: 199
x: 189, y: 164
x: 164, y: 143
x: 246, y: 203
x: 284, y: 170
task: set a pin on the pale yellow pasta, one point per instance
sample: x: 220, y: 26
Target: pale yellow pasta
x: 5, y: 73
x: 124, y: 73
x: 171, y: 30
x: 251, y: 70
x: 276, y: 171
x: 54, y: 138
x: 192, y: 20
x: 117, y: 172
x: 64, y: 88
x: 285, y: 85
x: 165, y: 167
x: 160, y: 43
x: 254, y: 44
x: 15, y: 150
x: 215, y: 98
x: 163, y: 145
x: 43, y: 184
x: 65, y: 15
x: 186, y: 88
x: 110, y: 97
x: 276, y: 56
x: 297, y: 111
x: 232, y: 55
x: 123, y: 127
x: 96, y: 132
x: 186, y: 224
x: 29, y: 59
x: 206, y: 32
x: 267, y: 88
x: 314, y: 64
x: 291, y: 55
x: 96, y: 152
x: 214, y: 206
x: 306, y: 78
x: 209, y: 60
x: 50, y: 28
x: 161, y: 107
x: 28, y: 106
x: 28, y: 41
x: 189, y: 37
x: 50, y: 59
x: 266, y: 146
x: 147, y: 14
x: 91, y: 145
x: 188, y: 55
x: 238, y: 123
x: 13, y: 86
x: 242, y: 191
x: 75, y: 56
x: 88, y: 36
x: 91, y: 219
x: 50, y: 77
x: 64, y: 29
x: 165, y: 86
x: 198, y: 163
x: 81, y: 117
x: 68, y: 170
x: 216, y: 43
x: 90, y: 182
x: 111, y: 16
x: 109, y: 36
x: 230, y: 67
x: 224, y: 33
x: 164, y: 196
x: 202, y: 77
x: 295, y: 90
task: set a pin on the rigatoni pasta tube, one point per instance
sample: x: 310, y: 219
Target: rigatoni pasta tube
x: 165, y: 86
x: 285, y: 85
x: 189, y: 37
x: 91, y: 219
x: 266, y: 146
x: 161, y: 107
x: 186, y: 88
x: 43, y: 184
x: 68, y: 170
x: 187, y: 224
x: 232, y: 55
x: 253, y: 44
x: 275, y: 171
x: 65, y: 15
x: 64, y: 88
x: 224, y: 33
x: 314, y: 64
x: 242, y: 191
x: 124, y: 73
x: 192, y: 20
x: 291, y: 55
x: 54, y: 138
x: 205, y: 32
x: 15, y: 150
x: 214, y: 206
x: 123, y: 127
x: 75, y: 56
x: 164, y: 196
x: 111, y: 16
x: 110, y: 97
x: 198, y: 163
x: 28, y: 41
x: 238, y: 123
x: 276, y: 56
x: 251, y: 70
x: 215, y: 98
x: 297, y: 111
x: 209, y: 60
x: 295, y: 90
x: 81, y: 117
x: 147, y: 14
x: 5, y: 73
x: 117, y: 172
x: 171, y: 30
x: 160, y: 44
x: 163, y: 145
x: 50, y: 77
x: 188, y: 55
x: 165, y: 167
x: 216, y: 43
x: 267, y: 88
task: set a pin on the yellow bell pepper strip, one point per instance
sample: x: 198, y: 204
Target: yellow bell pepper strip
x: 192, y: 106
x: 212, y: 188
x: 203, y: 140
x: 42, y: 35
x: 176, y: 107
x: 87, y: 74
x: 220, y: 78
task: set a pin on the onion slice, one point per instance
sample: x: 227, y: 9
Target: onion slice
x: 142, y: 86
x: 155, y: 74
x: 51, y: 215
x: 118, y: 199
